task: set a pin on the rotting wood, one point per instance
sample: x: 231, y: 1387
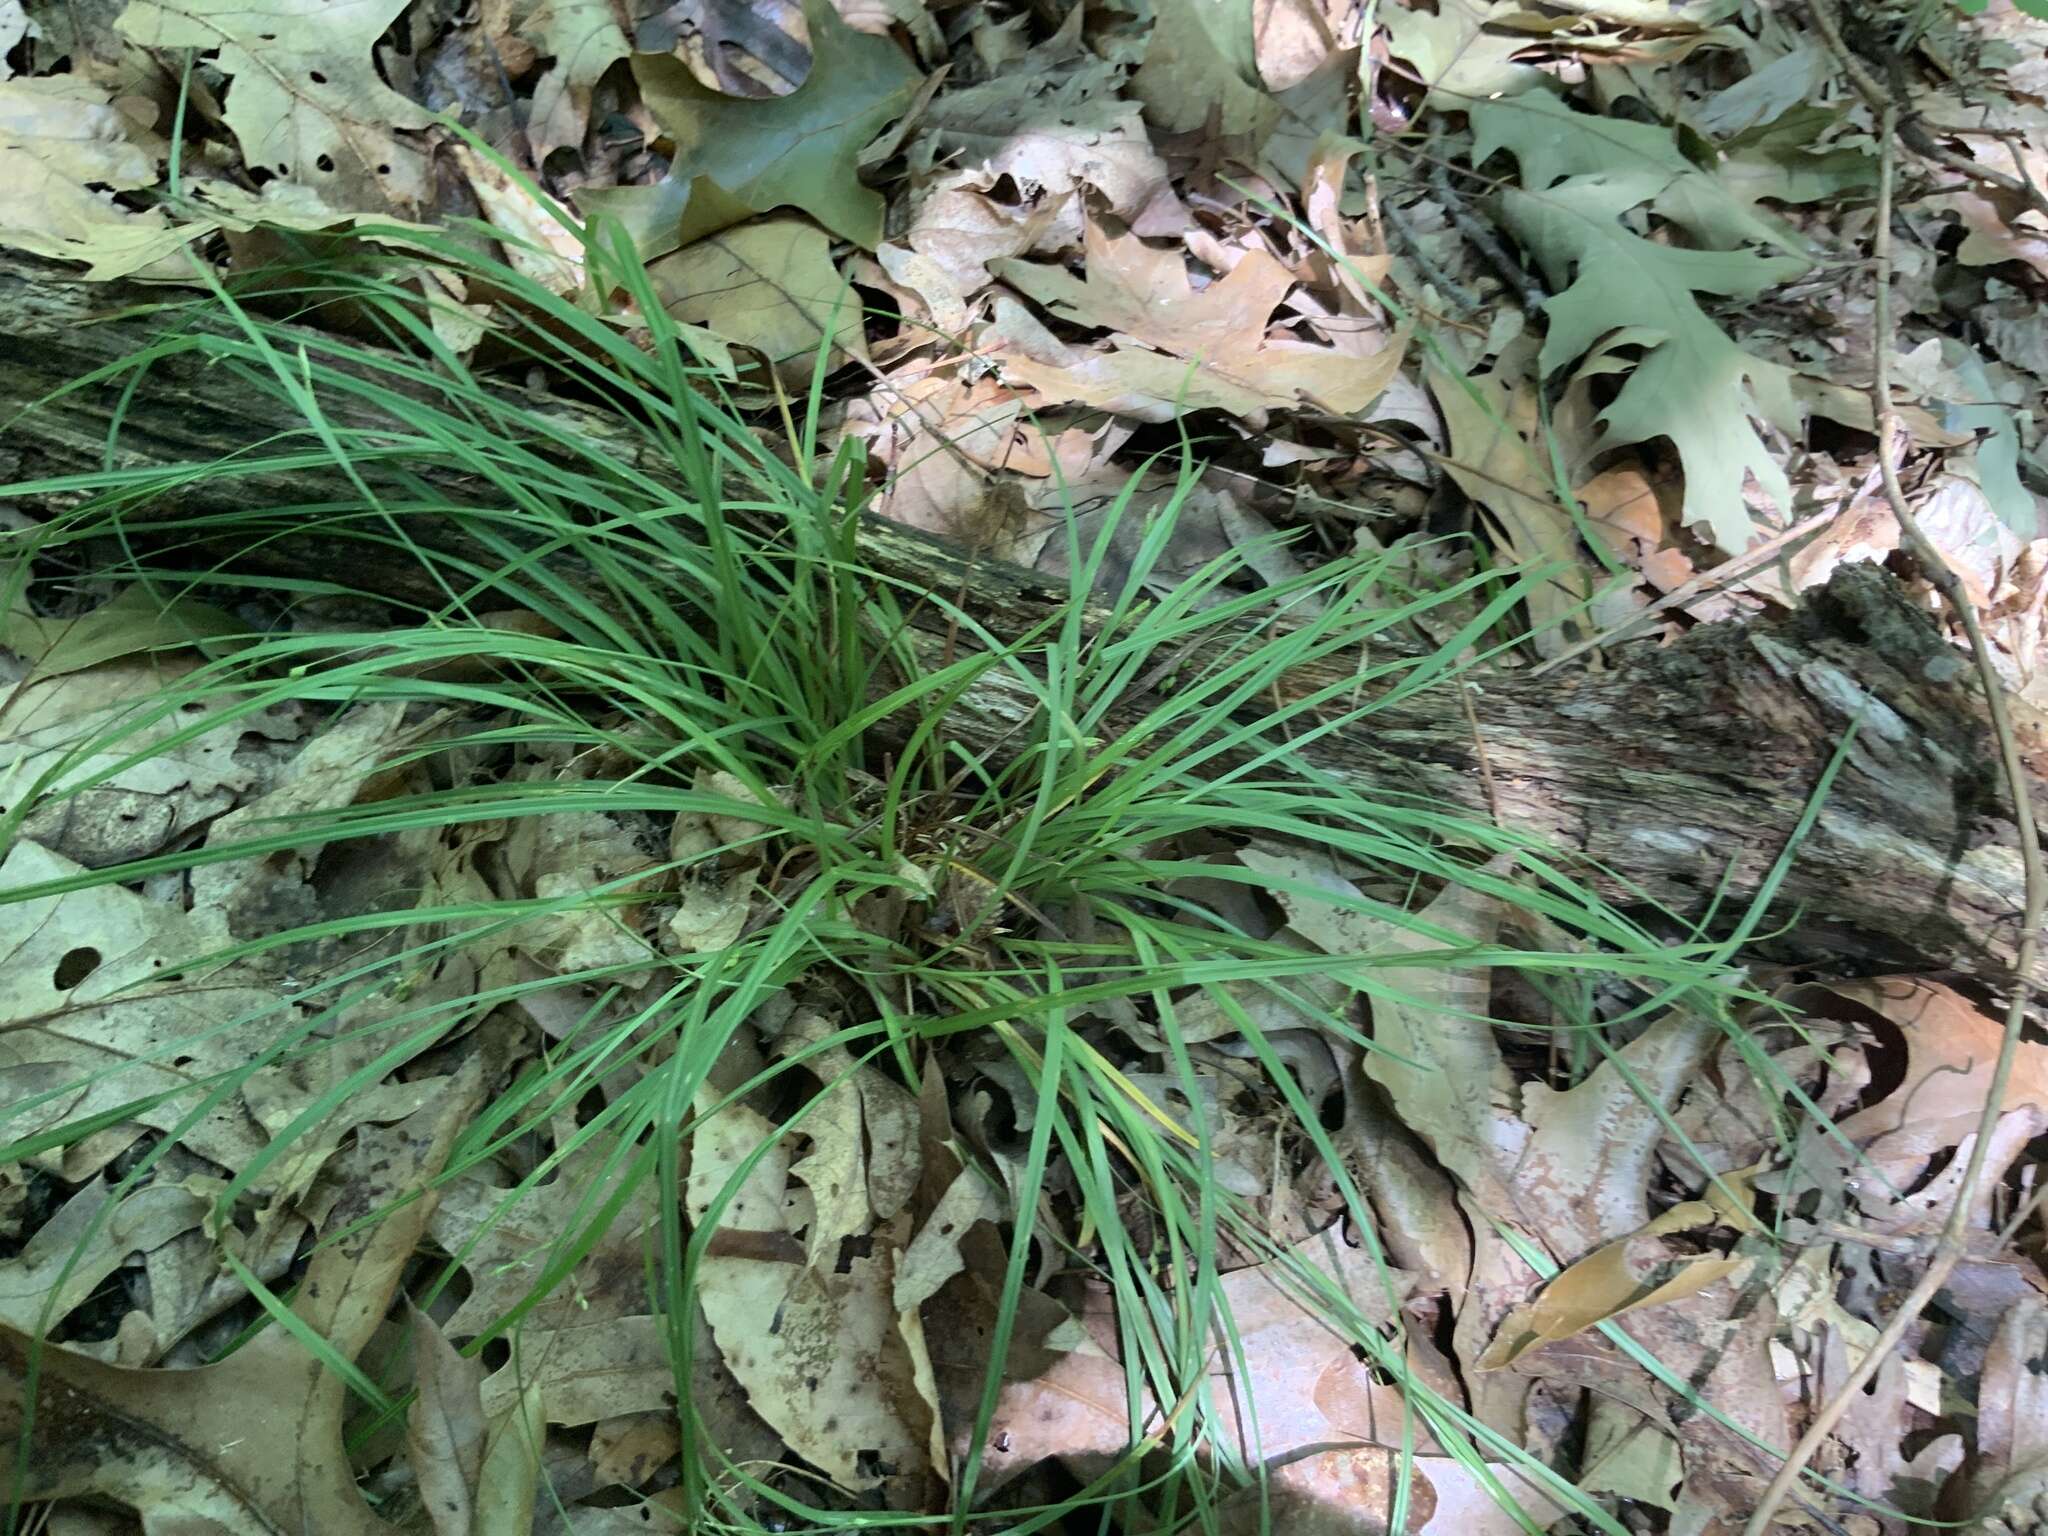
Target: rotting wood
x: 1679, y: 774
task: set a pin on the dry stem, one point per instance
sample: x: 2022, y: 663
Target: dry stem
x: 1952, y: 1244
x: 1909, y: 129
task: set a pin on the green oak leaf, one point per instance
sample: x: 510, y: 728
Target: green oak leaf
x: 801, y: 150
x: 1693, y: 384
x: 1201, y: 70
x: 1553, y: 143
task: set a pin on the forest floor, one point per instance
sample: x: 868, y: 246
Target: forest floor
x: 622, y: 1029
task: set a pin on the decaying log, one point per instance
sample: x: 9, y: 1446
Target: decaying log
x: 1679, y: 774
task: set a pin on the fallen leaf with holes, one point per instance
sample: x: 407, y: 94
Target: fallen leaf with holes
x: 1212, y: 347
x: 293, y: 1096
x: 934, y: 1255
x: 254, y: 1445
x: 307, y: 103
x: 890, y: 1115
x: 87, y: 1028
x: 588, y: 1371
x: 839, y: 1372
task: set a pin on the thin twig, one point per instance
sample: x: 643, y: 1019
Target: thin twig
x: 1908, y: 128
x: 1479, y: 234
x: 1953, y: 1243
x: 1729, y: 573
x: 1455, y: 293
x: 1479, y: 752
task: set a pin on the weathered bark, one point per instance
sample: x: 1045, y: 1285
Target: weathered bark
x: 1678, y: 775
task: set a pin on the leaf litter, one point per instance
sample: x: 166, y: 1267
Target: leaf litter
x: 1576, y: 269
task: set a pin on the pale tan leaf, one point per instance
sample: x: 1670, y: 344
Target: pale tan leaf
x: 505, y: 1242
x: 2012, y: 1399
x: 631, y: 1448
x: 587, y: 1371
x: 1437, y: 1058
x: 1293, y: 38
x: 129, y: 810
x: 14, y: 26
x: 1213, y: 345
x: 1638, y: 1271
x: 1065, y: 1395
x: 64, y: 152
x: 1498, y: 458
x: 835, y: 1173
x: 933, y: 1256
x: 79, y: 1247
x: 1584, y: 1176
x: 511, y: 1471
x: 1454, y: 53
x: 1354, y: 1491
x: 540, y: 245
x: 1951, y: 1047
x: 91, y: 1030
x: 1058, y: 126
x: 445, y: 1429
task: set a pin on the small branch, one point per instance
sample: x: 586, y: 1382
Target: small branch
x: 1729, y: 573
x: 1953, y: 1243
x: 1908, y: 129
x: 1478, y: 234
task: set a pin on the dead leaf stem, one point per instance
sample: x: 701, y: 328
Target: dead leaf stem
x: 1952, y: 1244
